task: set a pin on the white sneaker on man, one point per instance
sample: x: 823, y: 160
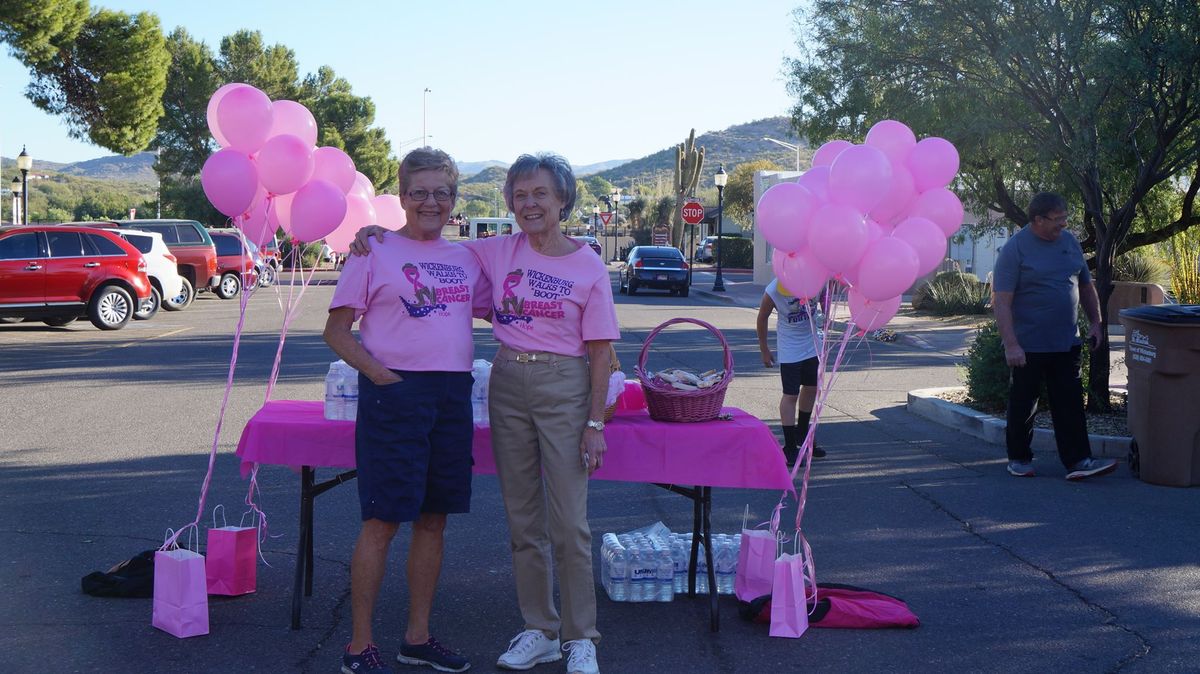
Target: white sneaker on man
x: 530, y: 648
x: 581, y: 657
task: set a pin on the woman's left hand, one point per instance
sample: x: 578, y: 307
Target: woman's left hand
x: 592, y: 449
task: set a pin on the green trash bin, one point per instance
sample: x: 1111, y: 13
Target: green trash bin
x: 1162, y: 355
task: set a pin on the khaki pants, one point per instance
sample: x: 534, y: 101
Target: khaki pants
x: 538, y: 411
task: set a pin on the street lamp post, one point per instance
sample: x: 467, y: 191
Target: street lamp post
x: 720, y: 179
x: 16, y: 200
x: 24, y: 163
x: 789, y: 146
x: 616, y: 204
x: 158, y: 187
x: 424, y: 96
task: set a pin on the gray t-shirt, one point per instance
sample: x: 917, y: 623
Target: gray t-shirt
x: 1044, y: 278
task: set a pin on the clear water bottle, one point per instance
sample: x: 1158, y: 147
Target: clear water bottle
x: 665, y: 577
x: 349, y: 393
x: 333, y: 392
x: 481, y: 370
x: 701, y: 572
x: 725, y: 559
x: 637, y: 575
x: 618, y: 574
x: 679, y: 559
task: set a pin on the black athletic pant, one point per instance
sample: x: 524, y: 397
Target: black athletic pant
x: 1060, y: 371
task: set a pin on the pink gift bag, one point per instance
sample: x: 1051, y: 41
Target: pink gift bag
x: 180, y: 599
x: 789, y: 606
x: 756, y: 562
x: 231, y: 563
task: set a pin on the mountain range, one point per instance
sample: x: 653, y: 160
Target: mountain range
x: 731, y: 146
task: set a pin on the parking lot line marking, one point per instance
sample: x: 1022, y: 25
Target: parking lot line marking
x: 138, y: 341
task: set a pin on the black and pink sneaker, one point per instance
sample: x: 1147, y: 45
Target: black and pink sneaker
x: 367, y: 662
x: 433, y: 654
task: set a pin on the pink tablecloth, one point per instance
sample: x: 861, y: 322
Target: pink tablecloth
x: 741, y: 452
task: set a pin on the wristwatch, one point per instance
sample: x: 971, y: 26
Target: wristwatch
x: 598, y: 425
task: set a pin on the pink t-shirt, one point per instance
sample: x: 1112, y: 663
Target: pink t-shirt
x: 416, y: 300
x: 543, y: 303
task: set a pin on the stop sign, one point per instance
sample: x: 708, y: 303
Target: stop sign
x: 692, y: 212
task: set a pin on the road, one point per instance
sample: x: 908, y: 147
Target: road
x: 106, y: 439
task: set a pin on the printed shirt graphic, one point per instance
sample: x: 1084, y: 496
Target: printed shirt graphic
x: 793, y: 326
x: 543, y: 303
x: 416, y: 300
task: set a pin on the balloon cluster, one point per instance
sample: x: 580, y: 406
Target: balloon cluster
x: 269, y: 174
x: 874, y: 217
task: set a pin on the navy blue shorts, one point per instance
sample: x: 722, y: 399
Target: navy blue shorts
x: 800, y: 373
x: 413, y: 445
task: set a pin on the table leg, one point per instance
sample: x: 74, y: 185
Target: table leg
x: 714, y: 609
x: 304, y: 544
x: 696, y: 536
x: 308, y: 548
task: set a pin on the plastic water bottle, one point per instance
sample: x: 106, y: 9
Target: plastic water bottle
x: 333, y: 392
x: 701, y: 572
x: 679, y: 559
x: 349, y: 393
x: 618, y: 574
x: 725, y: 559
x: 481, y: 370
x: 665, y: 577
x: 637, y: 575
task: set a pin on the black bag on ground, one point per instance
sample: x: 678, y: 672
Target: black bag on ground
x: 133, y: 577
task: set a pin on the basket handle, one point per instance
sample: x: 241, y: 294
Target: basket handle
x: 641, y: 364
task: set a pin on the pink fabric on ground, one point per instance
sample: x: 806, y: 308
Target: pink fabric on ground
x: 740, y: 453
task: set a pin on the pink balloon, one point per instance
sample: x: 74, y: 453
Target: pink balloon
x: 244, y: 117
x: 825, y: 154
x: 359, y: 212
x: 893, y: 138
x: 339, y: 239
x: 317, y: 209
x: 940, y: 205
x: 800, y: 273
x: 334, y: 165
x: 926, y: 238
x: 933, y: 162
x: 859, y: 177
x: 887, y: 269
x: 255, y: 224
x: 816, y: 180
x: 783, y: 215
x: 293, y: 119
x: 837, y: 237
x: 285, y: 163
x: 229, y: 180
x: 213, y: 102
x: 899, y: 198
x: 388, y: 212
x: 280, y: 212
x: 363, y: 186
x: 870, y: 314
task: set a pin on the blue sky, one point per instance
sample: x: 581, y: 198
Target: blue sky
x: 590, y: 80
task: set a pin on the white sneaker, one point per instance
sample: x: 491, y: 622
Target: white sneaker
x: 581, y: 657
x: 530, y: 648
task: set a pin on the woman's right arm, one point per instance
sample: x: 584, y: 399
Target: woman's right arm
x: 361, y: 245
x: 342, y: 341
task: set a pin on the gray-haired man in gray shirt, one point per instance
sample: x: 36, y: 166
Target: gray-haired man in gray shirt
x: 1040, y: 280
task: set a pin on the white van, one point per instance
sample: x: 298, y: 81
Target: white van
x: 482, y: 228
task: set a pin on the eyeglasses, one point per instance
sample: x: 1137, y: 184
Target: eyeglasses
x: 438, y: 195
x: 1058, y: 220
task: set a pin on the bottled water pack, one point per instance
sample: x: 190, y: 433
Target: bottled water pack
x: 641, y: 566
x: 341, y: 392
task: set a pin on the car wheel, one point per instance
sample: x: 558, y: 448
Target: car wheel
x: 266, y: 279
x: 184, y: 298
x: 230, y: 286
x: 155, y: 304
x: 621, y: 285
x: 683, y: 292
x: 11, y: 319
x: 633, y: 285
x: 111, y: 308
x: 59, y: 321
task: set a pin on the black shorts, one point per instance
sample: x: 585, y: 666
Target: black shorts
x: 413, y: 445
x: 795, y: 375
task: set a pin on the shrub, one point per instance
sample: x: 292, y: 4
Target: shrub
x: 738, y: 253
x: 956, y: 295
x: 1141, y: 266
x: 920, y: 297
x: 1185, y: 275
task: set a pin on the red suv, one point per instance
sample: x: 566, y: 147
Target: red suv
x: 234, y: 262
x: 57, y: 273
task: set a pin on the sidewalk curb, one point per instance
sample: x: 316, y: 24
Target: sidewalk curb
x: 925, y: 403
x: 724, y: 297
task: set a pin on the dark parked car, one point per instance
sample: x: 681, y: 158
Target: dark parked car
x: 56, y: 274
x: 234, y: 262
x: 658, y: 267
x: 591, y: 242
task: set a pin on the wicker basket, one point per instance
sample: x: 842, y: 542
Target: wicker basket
x: 666, y: 403
x: 614, y: 364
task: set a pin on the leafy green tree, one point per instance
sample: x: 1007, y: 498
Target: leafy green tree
x: 1093, y: 99
x: 243, y: 57
x: 637, y: 211
x: 107, y: 81
x: 739, y: 191
x: 37, y: 30
x: 345, y: 121
x: 597, y: 185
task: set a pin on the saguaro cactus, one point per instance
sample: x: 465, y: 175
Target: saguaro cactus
x: 688, y: 163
